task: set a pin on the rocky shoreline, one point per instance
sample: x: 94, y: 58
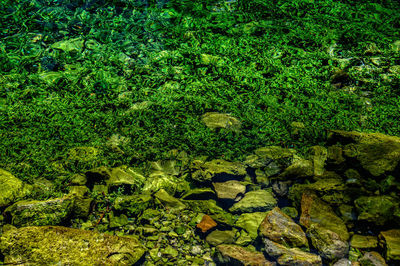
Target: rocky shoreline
x: 337, y: 206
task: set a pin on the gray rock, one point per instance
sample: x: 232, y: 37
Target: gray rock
x: 255, y: 201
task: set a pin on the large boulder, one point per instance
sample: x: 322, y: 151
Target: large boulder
x: 290, y: 256
x: 281, y: 229
x: 316, y: 211
x: 376, y: 152
x: 11, y: 188
x: 391, y: 241
x: 56, y: 245
x: 376, y: 209
x: 34, y: 212
x: 237, y: 255
x: 255, y: 201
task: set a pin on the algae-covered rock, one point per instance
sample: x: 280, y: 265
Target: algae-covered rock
x: 275, y: 153
x: 211, y: 208
x: 316, y: 211
x: 218, y: 237
x: 281, y: 229
x: 319, y: 157
x: 199, y: 194
x: 132, y: 205
x: 56, y: 245
x: 81, y: 201
x: 250, y: 222
x: 11, y: 188
x: 237, y: 255
x: 255, y: 201
x: 363, y: 242
x: 376, y: 209
x: 215, y: 120
x: 229, y: 190
x: 168, y: 201
x: 71, y: 45
x: 376, y: 152
x: 218, y: 170
x: 372, y: 259
x: 34, y: 212
x: 390, y: 239
x: 298, y: 168
x: 125, y: 179
x: 328, y: 243
x: 290, y: 256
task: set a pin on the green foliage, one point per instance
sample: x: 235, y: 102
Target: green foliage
x: 140, y: 73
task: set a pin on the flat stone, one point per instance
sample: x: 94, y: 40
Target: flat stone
x: 250, y: 222
x: 229, y: 190
x: 56, y: 245
x: 255, y: 201
x: 168, y: 201
x: 125, y: 179
x: 363, y: 242
x: 232, y: 254
x: 316, y: 211
x: 281, y: 229
x: 290, y: 256
x: 218, y: 170
x: 206, y: 224
x: 218, y: 237
x: 391, y: 239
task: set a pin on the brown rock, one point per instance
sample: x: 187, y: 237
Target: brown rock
x: 206, y: 223
x: 233, y: 254
x: 280, y: 228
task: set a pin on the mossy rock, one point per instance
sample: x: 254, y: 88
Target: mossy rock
x: 11, y: 188
x: 217, y: 120
x: 56, y: 245
x: 376, y: 209
x: 133, y: 205
x: 217, y: 171
x: 211, y: 208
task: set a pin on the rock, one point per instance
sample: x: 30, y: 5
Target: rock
x: 376, y: 209
x: 81, y: 201
x: 376, y: 152
x: 215, y: 120
x: 281, y: 229
x: 218, y: 237
x: 372, y: 259
x: 165, y: 175
x: 250, y: 222
x: 275, y: 153
x: 199, y: 194
x: 281, y: 188
x: 315, y: 211
x: 391, y: 240
x: 170, y: 251
x: 211, y: 208
x: 70, y: 45
x: 255, y: 201
x: 255, y: 161
x: 11, y: 188
x: 125, y: 179
x: 343, y: 262
x: 363, y: 242
x: 34, y: 212
x: 78, y: 180
x: 118, y: 221
x: 229, y: 190
x: 290, y: 256
x: 290, y: 211
x: 328, y: 243
x: 132, y: 205
x: 237, y: 255
x: 347, y: 213
x: 206, y: 224
x: 218, y: 170
x: 97, y: 176
x: 168, y: 201
x: 299, y: 168
x: 335, y: 155
x: 319, y: 156
x: 244, y: 239
x: 58, y: 245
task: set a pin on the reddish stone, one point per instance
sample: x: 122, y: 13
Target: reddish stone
x: 206, y: 223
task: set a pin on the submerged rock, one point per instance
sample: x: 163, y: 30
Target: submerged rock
x: 376, y: 209
x: 372, y: 259
x: 391, y: 240
x: 255, y: 201
x: 316, y: 211
x: 215, y: 120
x: 168, y: 201
x: 237, y: 255
x: 281, y: 229
x: 34, y: 212
x: 11, y: 188
x: 218, y: 237
x: 376, y: 152
x: 229, y: 190
x: 58, y: 245
x: 250, y: 222
x: 206, y: 224
x: 125, y: 179
x: 363, y: 242
x: 290, y: 256
x: 218, y: 170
